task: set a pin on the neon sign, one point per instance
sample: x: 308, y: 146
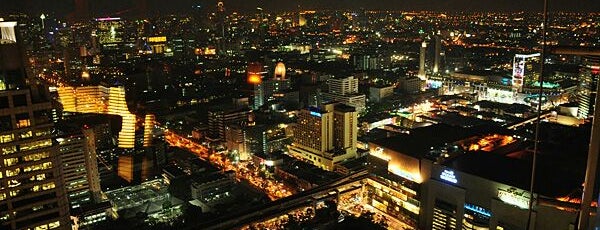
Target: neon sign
x: 477, y: 209
x: 449, y: 176
x: 513, y: 197
x: 316, y: 114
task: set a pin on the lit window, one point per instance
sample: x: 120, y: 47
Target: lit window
x: 27, y: 134
x: 48, y: 186
x: 36, y: 167
x: 23, y: 123
x: 8, y: 150
x: 12, y: 172
x: 6, y: 138
x: 10, y: 161
x: 36, y: 145
x: 14, y: 193
x: 42, y: 227
x: 2, y: 196
x: 36, y: 156
x: 54, y: 224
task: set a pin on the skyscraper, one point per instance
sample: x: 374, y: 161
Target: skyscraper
x: 422, y: 52
x: 438, y: 50
x: 345, y: 90
x: 588, y: 84
x: 32, y: 194
x: 525, y: 70
x: 325, y: 136
x: 80, y: 168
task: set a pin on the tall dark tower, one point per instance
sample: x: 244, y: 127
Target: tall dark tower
x: 32, y: 191
x: 438, y: 50
x: 221, y: 18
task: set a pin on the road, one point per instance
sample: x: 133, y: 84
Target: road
x: 275, y: 189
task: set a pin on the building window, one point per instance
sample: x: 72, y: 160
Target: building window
x: 5, y: 123
x: 19, y: 100
x: 8, y: 150
x: 23, y: 120
x: 6, y: 138
x: 25, y: 135
x: 10, y: 161
x: 36, y: 145
x: 12, y: 172
x: 36, y: 156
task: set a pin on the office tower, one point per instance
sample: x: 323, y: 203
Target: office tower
x: 32, y: 194
x: 77, y: 149
x: 345, y: 90
x: 525, y: 70
x: 148, y: 129
x: 438, y: 50
x: 101, y: 100
x: 219, y: 118
x: 422, y: 52
x: 325, y: 136
x: 277, y: 84
x: 345, y: 129
x: 588, y: 84
x: 254, y: 73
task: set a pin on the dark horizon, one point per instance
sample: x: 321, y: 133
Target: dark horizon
x: 117, y: 7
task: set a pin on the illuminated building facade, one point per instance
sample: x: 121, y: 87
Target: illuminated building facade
x: 149, y: 121
x: 109, y: 31
x: 80, y: 167
x: 462, y: 185
x: 325, y: 136
x: 345, y: 90
x: 588, y: 85
x: 32, y: 194
x: 102, y: 100
x: 525, y: 70
x: 422, y: 52
x: 218, y: 119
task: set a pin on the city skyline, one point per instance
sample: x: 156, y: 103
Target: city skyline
x: 117, y: 7
x: 114, y: 115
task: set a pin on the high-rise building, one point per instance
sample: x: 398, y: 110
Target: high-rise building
x: 325, y: 136
x: 438, y: 50
x: 219, y: 118
x: 343, y: 86
x: 525, y: 70
x: 345, y: 90
x: 32, y: 194
x: 254, y: 74
x: 588, y: 86
x: 422, y: 52
x: 80, y: 168
x: 101, y: 100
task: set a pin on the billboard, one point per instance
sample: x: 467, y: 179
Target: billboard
x: 519, y: 63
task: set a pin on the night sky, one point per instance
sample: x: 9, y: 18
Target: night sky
x: 108, y: 7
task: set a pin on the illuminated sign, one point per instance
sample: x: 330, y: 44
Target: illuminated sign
x: 157, y: 39
x: 449, y: 176
x: 404, y: 174
x: 316, y: 114
x: 107, y: 19
x: 513, y: 197
x: 519, y: 68
x: 477, y: 209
